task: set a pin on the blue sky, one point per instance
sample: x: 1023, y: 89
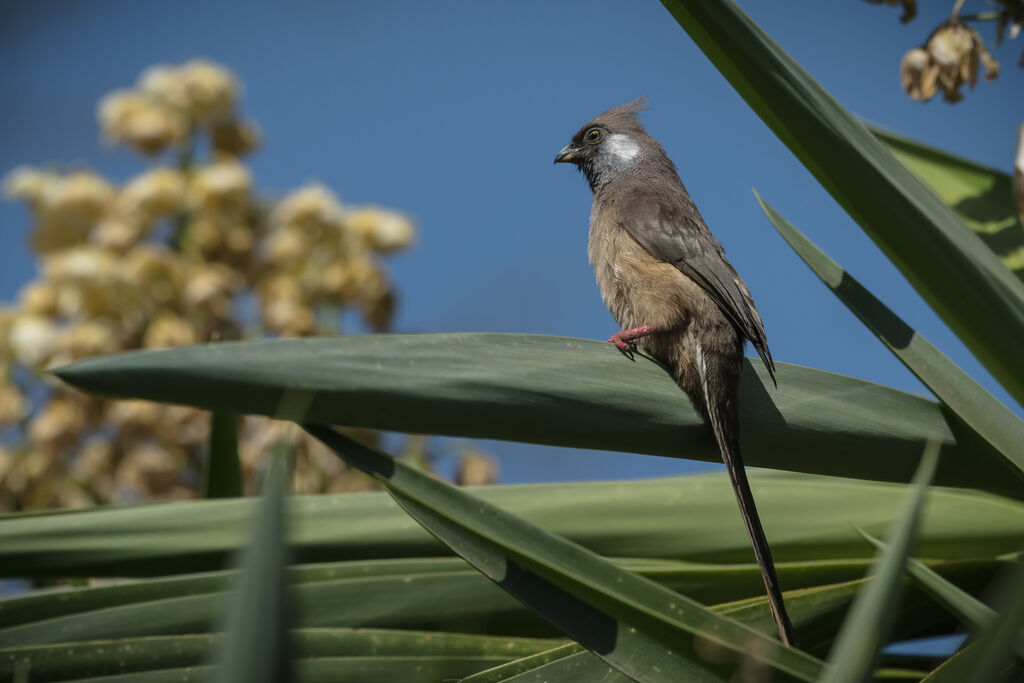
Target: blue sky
x: 453, y: 111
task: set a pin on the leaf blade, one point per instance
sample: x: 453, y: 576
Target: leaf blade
x: 949, y: 266
x: 810, y: 518
x: 596, y: 603
x: 257, y: 647
x: 969, y: 400
x: 865, y: 629
x: 548, y: 390
x: 222, y: 474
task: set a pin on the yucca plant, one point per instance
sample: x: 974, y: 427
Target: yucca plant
x: 614, y: 581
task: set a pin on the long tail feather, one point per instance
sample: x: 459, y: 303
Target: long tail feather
x: 762, y: 552
x: 721, y: 411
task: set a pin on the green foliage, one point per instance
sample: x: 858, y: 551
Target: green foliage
x: 651, y: 580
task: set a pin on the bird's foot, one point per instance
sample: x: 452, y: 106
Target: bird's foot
x: 624, y: 344
x: 625, y: 341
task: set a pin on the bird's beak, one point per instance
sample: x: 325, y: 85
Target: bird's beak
x: 567, y: 155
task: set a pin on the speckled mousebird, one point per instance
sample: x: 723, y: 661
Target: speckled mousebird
x: 666, y: 280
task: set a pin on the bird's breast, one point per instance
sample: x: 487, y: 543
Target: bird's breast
x: 636, y: 287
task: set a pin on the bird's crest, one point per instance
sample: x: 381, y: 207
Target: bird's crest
x: 624, y: 113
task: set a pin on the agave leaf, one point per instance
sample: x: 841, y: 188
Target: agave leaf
x: 947, y: 263
x: 550, y: 390
x: 810, y: 518
x: 993, y: 652
x: 640, y: 628
x: 396, y: 669
x: 222, y: 471
x: 129, y: 655
x: 257, y: 645
x: 866, y: 628
x: 980, y: 195
x: 955, y: 388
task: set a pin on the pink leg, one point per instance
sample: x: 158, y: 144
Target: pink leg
x: 625, y: 341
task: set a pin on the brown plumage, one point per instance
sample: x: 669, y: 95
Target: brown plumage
x: 666, y: 280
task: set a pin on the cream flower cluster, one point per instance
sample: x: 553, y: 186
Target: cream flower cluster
x: 185, y: 252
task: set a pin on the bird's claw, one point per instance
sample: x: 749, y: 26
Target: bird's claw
x: 627, y: 347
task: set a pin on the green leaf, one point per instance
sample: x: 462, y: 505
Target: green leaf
x: 810, y: 518
x: 994, y: 649
x: 642, y: 629
x: 962, y: 604
x: 45, y: 604
x: 949, y: 266
x: 963, y: 667
x: 460, y: 600
x: 398, y: 594
x: 222, y: 473
x: 967, y: 608
x: 334, y: 669
x: 816, y: 612
x: 532, y: 665
x: 550, y: 390
x: 969, y: 400
x: 391, y: 593
x: 866, y: 628
x: 566, y: 664
x: 106, y: 658
x: 256, y: 647
x: 980, y: 195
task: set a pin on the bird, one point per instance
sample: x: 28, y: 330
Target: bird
x: 665, y: 279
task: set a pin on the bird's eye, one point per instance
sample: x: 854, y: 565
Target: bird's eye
x: 593, y: 135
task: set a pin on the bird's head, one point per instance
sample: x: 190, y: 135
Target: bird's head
x: 612, y: 144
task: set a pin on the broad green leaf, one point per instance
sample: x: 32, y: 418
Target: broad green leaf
x: 822, y: 610
x: 332, y: 670
x: 707, y: 583
x: 567, y: 664
x: 808, y: 517
x: 584, y: 667
x: 955, y: 388
x: 867, y: 627
x: 967, y: 608
x: 947, y: 263
x: 980, y: 195
x: 962, y: 668
x: 45, y: 604
x: 550, y: 390
x: 456, y: 599
x: 993, y: 651
x: 257, y: 647
x: 963, y: 605
x: 639, y: 627
x: 531, y: 665
x: 222, y: 471
x: 956, y: 669
x: 460, y: 600
x: 443, y: 593
x: 816, y: 613
x: 106, y: 658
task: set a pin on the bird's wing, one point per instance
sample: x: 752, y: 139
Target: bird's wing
x: 673, y: 231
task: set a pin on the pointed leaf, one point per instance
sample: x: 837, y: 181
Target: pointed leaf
x: 963, y: 605
x: 949, y: 266
x: 993, y: 652
x: 256, y: 646
x: 866, y: 628
x: 106, y: 658
x: 642, y: 629
x: 969, y: 400
x: 810, y: 518
x: 980, y: 195
x: 551, y: 390
x: 222, y: 473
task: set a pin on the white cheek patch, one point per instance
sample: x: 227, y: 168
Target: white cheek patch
x: 622, y: 148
